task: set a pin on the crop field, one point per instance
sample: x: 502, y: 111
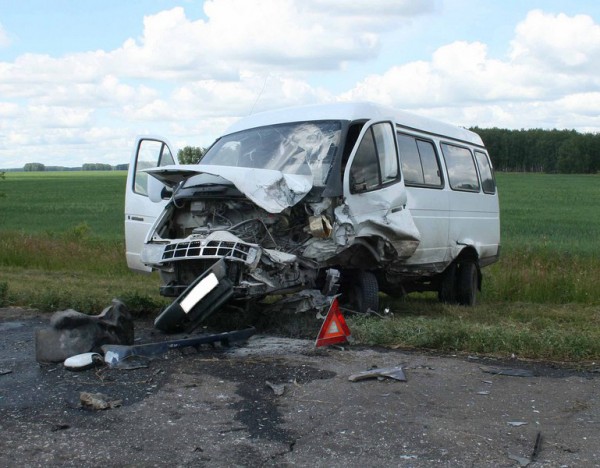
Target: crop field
x: 61, y: 246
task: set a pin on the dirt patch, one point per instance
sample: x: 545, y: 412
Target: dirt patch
x: 215, y: 408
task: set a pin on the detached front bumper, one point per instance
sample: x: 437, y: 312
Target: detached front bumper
x: 200, y: 299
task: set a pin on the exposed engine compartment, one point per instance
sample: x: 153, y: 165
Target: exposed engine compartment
x: 263, y: 250
x: 282, y: 231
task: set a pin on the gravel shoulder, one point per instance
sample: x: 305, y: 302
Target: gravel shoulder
x: 215, y: 408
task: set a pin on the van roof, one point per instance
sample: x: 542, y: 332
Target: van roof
x: 355, y: 111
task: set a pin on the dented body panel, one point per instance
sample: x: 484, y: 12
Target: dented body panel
x: 284, y: 197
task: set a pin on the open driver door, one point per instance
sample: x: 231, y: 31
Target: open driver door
x: 140, y: 211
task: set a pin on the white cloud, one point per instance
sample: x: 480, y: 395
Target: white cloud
x: 543, y: 76
x: 459, y: 73
x: 558, y: 41
x: 262, y: 34
x: 191, y: 78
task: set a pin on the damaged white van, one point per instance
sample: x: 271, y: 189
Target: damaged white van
x: 352, y: 198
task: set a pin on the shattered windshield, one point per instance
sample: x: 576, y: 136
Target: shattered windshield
x: 305, y: 148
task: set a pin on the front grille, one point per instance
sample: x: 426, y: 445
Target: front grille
x: 210, y: 249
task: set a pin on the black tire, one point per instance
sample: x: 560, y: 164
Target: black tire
x: 362, y: 292
x: 467, y: 284
x: 448, y: 287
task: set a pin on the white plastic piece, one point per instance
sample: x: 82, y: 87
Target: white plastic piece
x: 82, y: 361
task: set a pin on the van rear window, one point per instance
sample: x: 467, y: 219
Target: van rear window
x: 461, y: 168
x: 485, y: 170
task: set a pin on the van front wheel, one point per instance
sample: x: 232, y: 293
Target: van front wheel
x: 467, y: 284
x: 361, y: 292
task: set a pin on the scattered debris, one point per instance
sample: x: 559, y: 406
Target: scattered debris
x: 72, y: 333
x: 60, y: 427
x: 395, y: 373
x: 97, y: 401
x: 132, y: 362
x: 522, y: 461
x: 510, y: 372
x: 537, y: 447
x: 517, y: 423
x: 83, y: 361
x: 113, y: 354
x: 278, y: 389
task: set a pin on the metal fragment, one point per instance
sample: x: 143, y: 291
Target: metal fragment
x: 395, y: 373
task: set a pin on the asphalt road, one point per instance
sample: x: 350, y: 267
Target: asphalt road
x: 214, y: 408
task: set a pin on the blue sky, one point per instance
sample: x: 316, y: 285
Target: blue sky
x: 80, y: 79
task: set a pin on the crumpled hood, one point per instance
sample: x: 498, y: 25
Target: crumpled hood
x: 274, y: 191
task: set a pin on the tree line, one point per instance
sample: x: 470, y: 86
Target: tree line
x: 39, y: 167
x: 536, y: 150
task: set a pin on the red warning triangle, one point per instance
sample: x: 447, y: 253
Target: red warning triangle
x: 334, y: 329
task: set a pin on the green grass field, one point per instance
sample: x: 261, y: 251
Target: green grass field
x: 61, y: 246
x: 57, y: 202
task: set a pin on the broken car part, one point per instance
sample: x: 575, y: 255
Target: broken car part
x: 83, y: 361
x: 113, y: 354
x: 72, y: 333
x: 395, y: 373
x: 200, y: 299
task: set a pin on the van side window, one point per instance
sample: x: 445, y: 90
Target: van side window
x: 376, y: 160
x: 485, y: 171
x: 431, y: 165
x: 420, y: 165
x: 461, y: 168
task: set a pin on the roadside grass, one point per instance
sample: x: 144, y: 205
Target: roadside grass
x: 61, y: 246
x: 557, y: 332
x: 83, y: 291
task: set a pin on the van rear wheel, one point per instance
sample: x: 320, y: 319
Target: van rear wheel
x: 361, y: 292
x: 467, y: 284
x: 448, y: 287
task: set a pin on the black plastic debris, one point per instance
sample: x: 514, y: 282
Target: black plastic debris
x: 115, y: 354
x: 537, y: 447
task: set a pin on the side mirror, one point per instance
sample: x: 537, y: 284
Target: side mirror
x: 157, y: 191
